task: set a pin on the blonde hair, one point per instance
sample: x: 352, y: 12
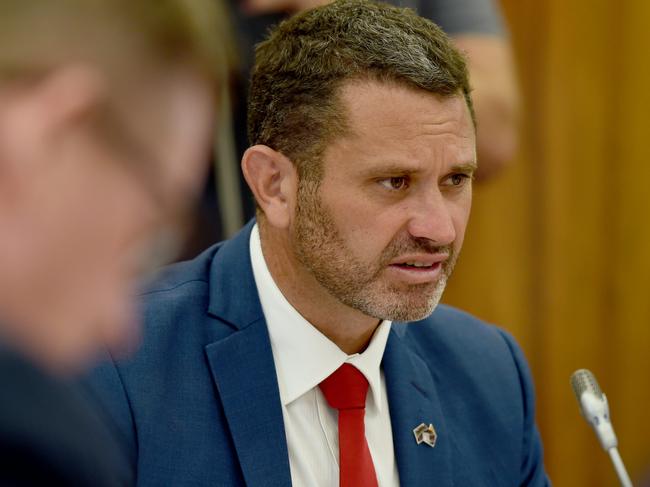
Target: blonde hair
x: 38, y: 35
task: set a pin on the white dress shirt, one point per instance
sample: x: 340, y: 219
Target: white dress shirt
x: 304, y: 357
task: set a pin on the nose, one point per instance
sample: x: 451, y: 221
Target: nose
x: 432, y: 218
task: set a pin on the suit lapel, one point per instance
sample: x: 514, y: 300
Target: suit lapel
x: 413, y: 400
x: 244, y: 373
x: 243, y: 369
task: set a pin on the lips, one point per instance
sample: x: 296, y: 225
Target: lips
x: 415, y: 264
x: 414, y: 268
x: 420, y: 260
x: 418, y: 269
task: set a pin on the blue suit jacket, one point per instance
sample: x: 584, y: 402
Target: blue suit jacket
x: 199, y: 403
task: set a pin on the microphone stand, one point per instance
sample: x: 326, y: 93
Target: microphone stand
x: 619, y: 467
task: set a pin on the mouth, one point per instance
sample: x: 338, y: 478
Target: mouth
x: 415, y: 265
x: 420, y: 269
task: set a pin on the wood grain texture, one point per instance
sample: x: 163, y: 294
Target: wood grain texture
x: 558, y: 249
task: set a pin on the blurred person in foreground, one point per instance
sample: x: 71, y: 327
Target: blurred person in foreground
x: 106, y: 119
x: 310, y: 349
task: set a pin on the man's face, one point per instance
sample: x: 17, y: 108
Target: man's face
x: 95, y: 203
x: 382, y: 230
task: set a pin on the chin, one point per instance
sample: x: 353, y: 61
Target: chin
x: 411, y: 313
x: 399, y: 308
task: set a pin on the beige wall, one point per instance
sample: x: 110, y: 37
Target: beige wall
x: 558, y: 250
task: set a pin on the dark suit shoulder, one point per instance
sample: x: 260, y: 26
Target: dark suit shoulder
x: 450, y: 330
x: 178, y: 299
x: 471, y: 358
x: 167, y: 381
x: 49, y: 435
x: 483, y: 375
x: 455, y: 343
x: 176, y: 277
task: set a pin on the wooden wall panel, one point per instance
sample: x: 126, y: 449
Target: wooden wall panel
x: 629, y: 231
x: 558, y: 250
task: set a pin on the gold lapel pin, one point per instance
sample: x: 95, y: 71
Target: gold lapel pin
x: 426, y: 434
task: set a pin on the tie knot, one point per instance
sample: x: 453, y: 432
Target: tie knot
x: 346, y: 388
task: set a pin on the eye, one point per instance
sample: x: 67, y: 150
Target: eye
x: 457, y: 179
x: 395, y: 183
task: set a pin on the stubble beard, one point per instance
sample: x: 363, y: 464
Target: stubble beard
x: 319, y: 247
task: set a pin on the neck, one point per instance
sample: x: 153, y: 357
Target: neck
x: 32, y: 340
x: 347, y: 327
x: 32, y: 323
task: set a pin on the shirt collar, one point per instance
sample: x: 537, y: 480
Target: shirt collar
x: 303, y: 356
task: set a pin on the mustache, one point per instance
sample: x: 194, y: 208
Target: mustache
x: 409, y: 244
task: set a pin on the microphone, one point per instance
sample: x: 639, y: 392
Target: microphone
x: 595, y: 409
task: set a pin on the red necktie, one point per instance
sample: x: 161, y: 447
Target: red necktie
x: 346, y: 390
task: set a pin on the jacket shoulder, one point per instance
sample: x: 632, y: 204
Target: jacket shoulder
x: 179, y: 294
x: 456, y: 330
x: 462, y: 345
x: 174, y: 279
x: 483, y: 375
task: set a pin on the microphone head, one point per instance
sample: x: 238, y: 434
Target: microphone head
x: 584, y: 381
x: 593, y: 406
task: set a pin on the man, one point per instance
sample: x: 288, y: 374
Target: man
x: 105, y: 127
x: 304, y: 351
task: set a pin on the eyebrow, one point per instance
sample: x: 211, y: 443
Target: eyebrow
x: 469, y: 167
x: 466, y: 167
x: 393, y: 169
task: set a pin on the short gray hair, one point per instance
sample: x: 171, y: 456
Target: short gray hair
x: 293, y: 104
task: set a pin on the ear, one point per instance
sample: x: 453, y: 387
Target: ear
x: 273, y: 179
x: 36, y: 117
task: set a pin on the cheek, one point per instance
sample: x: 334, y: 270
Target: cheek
x: 120, y: 216
x: 366, y: 230
x: 108, y: 281
x: 460, y: 217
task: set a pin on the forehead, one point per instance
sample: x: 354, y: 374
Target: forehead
x: 165, y: 104
x: 393, y: 122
